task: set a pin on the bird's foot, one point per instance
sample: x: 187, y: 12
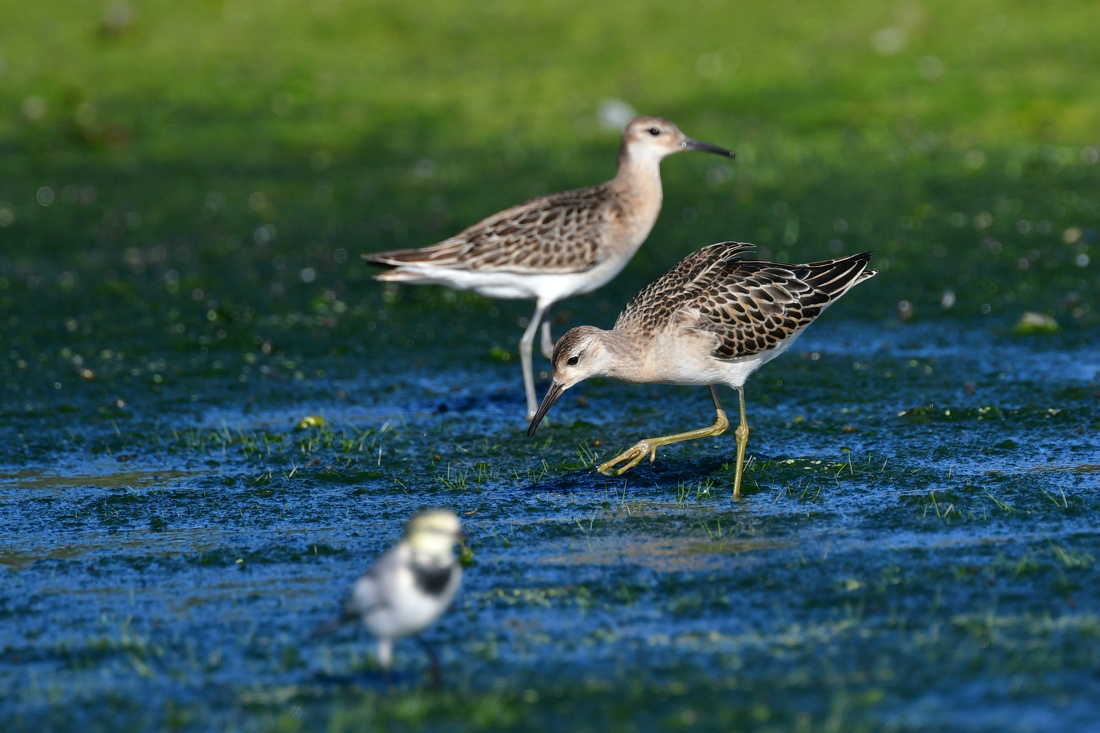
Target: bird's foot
x: 630, y: 458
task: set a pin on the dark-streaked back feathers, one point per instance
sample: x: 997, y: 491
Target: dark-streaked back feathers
x: 548, y: 235
x: 750, y: 305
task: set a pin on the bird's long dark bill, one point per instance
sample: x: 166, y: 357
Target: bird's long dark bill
x: 551, y: 397
x: 703, y: 147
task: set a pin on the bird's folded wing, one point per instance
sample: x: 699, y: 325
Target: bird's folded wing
x: 749, y: 306
x: 549, y: 235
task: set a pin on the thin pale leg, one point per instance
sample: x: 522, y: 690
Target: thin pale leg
x: 385, y: 659
x: 547, y: 342
x: 525, y: 345
x: 649, y: 446
x: 742, y: 435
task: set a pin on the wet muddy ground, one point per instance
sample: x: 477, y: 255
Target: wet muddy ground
x: 916, y: 548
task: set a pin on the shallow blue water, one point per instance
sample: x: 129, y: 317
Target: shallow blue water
x: 916, y: 548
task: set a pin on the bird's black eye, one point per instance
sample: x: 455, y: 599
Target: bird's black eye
x: 573, y: 360
x: 654, y: 131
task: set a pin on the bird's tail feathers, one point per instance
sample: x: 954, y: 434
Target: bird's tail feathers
x: 393, y: 258
x: 865, y: 275
x: 835, y: 277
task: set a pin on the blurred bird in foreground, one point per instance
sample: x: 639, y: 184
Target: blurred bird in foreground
x: 712, y: 319
x: 555, y: 246
x: 409, y: 587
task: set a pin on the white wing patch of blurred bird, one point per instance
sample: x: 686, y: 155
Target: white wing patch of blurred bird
x: 409, y: 587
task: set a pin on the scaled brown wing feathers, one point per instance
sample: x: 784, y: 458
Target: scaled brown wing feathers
x: 749, y: 306
x: 543, y: 236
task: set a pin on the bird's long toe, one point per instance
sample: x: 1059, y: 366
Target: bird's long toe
x: 630, y: 458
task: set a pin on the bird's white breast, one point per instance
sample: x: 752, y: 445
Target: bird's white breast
x: 397, y: 606
x: 674, y: 359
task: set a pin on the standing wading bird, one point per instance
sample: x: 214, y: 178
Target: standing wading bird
x: 712, y: 319
x: 554, y: 246
x: 409, y: 587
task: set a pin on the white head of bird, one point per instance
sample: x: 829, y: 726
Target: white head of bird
x: 434, y: 532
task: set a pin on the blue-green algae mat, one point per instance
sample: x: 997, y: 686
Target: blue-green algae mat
x: 916, y: 547
x: 184, y: 195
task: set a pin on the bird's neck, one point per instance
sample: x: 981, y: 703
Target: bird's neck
x: 625, y: 360
x: 638, y: 181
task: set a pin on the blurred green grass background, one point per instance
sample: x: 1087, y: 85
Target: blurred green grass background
x: 255, y: 149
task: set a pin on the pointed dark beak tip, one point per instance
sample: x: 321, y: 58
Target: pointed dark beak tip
x: 551, y: 397
x: 536, y: 420
x: 703, y: 147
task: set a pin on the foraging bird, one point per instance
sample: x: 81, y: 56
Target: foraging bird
x: 554, y: 246
x: 409, y: 587
x: 712, y: 319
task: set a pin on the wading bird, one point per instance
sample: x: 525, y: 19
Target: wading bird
x: 712, y: 319
x: 408, y: 587
x: 554, y: 246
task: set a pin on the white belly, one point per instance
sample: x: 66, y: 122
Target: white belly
x: 678, y: 360
x: 545, y: 288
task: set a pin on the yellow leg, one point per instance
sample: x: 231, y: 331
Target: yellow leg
x: 649, y: 446
x: 742, y: 435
